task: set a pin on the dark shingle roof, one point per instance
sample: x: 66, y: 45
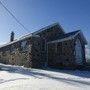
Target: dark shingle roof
x: 66, y: 35
x: 69, y: 34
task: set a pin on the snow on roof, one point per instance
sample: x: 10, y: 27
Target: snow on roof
x: 64, y: 37
x: 33, y: 34
x: 20, y: 39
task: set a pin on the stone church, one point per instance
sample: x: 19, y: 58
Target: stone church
x: 50, y: 46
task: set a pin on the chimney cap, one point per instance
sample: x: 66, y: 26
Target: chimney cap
x: 12, y: 36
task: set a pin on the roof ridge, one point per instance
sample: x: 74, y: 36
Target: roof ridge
x: 47, y: 27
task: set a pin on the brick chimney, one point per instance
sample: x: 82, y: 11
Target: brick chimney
x: 12, y: 36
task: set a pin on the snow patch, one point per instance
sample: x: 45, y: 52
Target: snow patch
x: 20, y: 78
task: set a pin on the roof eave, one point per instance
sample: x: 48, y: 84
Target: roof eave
x: 70, y: 38
x: 60, y: 40
x: 82, y: 36
x: 17, y: 40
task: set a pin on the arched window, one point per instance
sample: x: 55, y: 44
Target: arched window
x: 78, y: 52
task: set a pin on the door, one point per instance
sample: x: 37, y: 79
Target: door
x: 78, y: 54
x: 51, y: 55
x: 54, y: 54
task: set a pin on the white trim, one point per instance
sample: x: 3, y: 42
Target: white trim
x: 20, y: 39
x: 32, y: 34
x: 76, y: 34
x: 83, y: 37
x: 80, y: 32
x: 27, y: 36
x: 60, y: 40
x: 78, y: 52
x: 68, y: 38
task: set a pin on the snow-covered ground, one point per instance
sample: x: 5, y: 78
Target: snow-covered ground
x: 19, y: 78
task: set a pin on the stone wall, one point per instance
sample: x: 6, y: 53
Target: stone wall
x: 61, y: 54
x: 68, y: 53
x: 36, y: 52
x: 47, y: 35
x: 21, y: 53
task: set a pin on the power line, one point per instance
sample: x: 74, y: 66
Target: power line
x: 14, y: 17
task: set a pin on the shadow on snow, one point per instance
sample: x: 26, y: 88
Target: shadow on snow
x: 40, y: 74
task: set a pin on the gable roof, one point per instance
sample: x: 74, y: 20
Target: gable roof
x: 48, y: 27
x: 69, y: 36
x: 20, y: 39
x: 34, y: 34
x: 65, y: 36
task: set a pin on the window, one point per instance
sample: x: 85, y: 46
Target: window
x: 24, y: 45
x: 13, y: 49
x: 43, y: 45
x: 59, y: 48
